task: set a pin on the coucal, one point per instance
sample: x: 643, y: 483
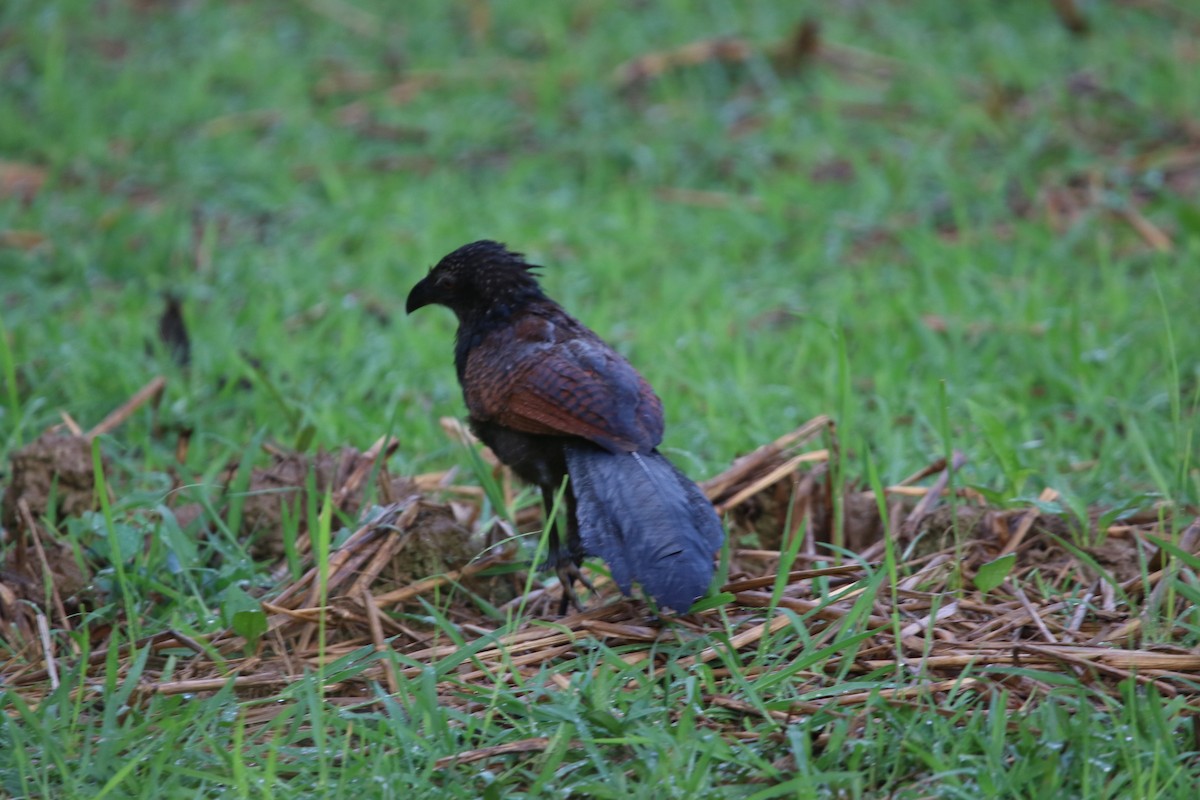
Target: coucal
x: 552, y: 400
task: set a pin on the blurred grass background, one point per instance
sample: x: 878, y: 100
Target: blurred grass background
x: 290, y: 169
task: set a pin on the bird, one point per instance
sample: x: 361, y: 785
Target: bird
x: 570, y: 415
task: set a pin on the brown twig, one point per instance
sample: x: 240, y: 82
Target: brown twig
x: 151, y: 390
x: 55, y: 596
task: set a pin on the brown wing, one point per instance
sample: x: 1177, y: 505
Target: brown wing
x: 534, y: 380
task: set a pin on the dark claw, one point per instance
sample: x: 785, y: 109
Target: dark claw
x: 568, y: 573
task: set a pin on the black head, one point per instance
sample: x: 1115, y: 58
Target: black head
x: 475, y: 279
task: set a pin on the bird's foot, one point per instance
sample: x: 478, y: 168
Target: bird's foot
x: 568, y: 573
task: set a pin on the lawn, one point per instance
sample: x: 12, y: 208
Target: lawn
x: 950, y: 228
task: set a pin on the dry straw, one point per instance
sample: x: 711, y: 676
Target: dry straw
x: 1101, y: 613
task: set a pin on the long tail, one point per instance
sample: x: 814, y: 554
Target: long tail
x: 647, y: 520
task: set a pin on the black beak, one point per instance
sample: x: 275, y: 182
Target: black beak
x: 420, y: 296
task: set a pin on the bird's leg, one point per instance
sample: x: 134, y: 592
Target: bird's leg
x: 566, y: 549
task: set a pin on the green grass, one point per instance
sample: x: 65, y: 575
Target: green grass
x: 197, y: 148
x: 605, y: 742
